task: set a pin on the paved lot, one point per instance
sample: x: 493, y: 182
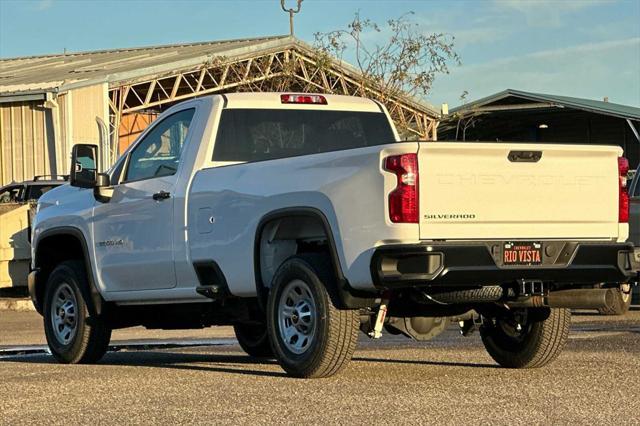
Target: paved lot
x: 448, y: 380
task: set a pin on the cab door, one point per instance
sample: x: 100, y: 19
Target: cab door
x: 133, y: 232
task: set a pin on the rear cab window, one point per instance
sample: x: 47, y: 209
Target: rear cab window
x: 249, y: 135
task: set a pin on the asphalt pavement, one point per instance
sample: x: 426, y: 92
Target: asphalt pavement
x: 202, y: 376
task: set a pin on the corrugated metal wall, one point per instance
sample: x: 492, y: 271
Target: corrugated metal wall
x: 86, y: 104
x: 35, y: 140
x: 25, y: 143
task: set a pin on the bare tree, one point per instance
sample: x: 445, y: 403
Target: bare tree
x: 465, y: 122
x: 406, y: 61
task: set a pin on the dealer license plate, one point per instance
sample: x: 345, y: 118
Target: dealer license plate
x: 522, y: 253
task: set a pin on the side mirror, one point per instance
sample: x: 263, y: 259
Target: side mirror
x: 84, y: 170
x: 102, y: 180
x: 103, y: 191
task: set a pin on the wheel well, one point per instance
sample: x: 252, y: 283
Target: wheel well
x: 50, y: 252
x: 288, y: 232
x: 282, y: 237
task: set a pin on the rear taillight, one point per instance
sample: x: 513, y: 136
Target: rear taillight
x: 403, y: 200
x: 303, y: 99
x: 623, y: 209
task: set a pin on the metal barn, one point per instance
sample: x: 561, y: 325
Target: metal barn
x: 514, y: 115
x: 108, y: 97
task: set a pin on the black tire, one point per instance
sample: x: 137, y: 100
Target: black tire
x: 90, y: 339
x: 621, y: 302
x: 254, y: 340
x: 542, y: 337
x: 332, y: 336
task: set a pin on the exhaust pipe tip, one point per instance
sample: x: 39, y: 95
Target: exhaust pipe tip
x: 594, y: 298
x: 589, y: 298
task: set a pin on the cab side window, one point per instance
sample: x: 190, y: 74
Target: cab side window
x: 158, y: 153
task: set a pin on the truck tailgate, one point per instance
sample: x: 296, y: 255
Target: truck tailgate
x: 476, y: 191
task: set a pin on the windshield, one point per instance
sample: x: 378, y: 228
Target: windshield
x: 264, y: 134
x: 10, y: 194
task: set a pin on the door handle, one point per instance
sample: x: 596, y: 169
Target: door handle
x: 162, y: 195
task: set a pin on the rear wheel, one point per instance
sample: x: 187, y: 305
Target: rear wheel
x: 621, y: 303
x: 310, y: 336
x: 526, y: 338
x: 72, y: 334
x: 254, y: 340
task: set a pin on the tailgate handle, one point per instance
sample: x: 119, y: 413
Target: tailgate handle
x: 525, y: 156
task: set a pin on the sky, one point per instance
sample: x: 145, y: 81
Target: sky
x: 582, y: 48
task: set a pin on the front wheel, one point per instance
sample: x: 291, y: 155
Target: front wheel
x: 310, y: 336
x: 526, y: 338
x: 72, y: 334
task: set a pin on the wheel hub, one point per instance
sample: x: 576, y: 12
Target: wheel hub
x: 297, y: 316
x: 63, y: 314
x: 516, y: 325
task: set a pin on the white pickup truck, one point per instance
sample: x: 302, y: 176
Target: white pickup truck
x: 301, y: 219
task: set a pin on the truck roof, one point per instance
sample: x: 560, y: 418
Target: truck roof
x: 271, y: 100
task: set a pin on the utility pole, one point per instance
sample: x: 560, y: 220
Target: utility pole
x: 291, y: 13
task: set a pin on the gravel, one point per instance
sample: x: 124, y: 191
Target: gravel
x: 448, y: 380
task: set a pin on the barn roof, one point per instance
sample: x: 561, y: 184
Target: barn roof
x: 59, y: 72
x: 87, y: 68
x: 511, y: 98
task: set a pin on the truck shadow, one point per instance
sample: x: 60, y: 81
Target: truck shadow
x: 421, y: 362
x: 234, y: 364
x: 219, y: 363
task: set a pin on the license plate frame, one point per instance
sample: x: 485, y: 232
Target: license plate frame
x: 522, y: 253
